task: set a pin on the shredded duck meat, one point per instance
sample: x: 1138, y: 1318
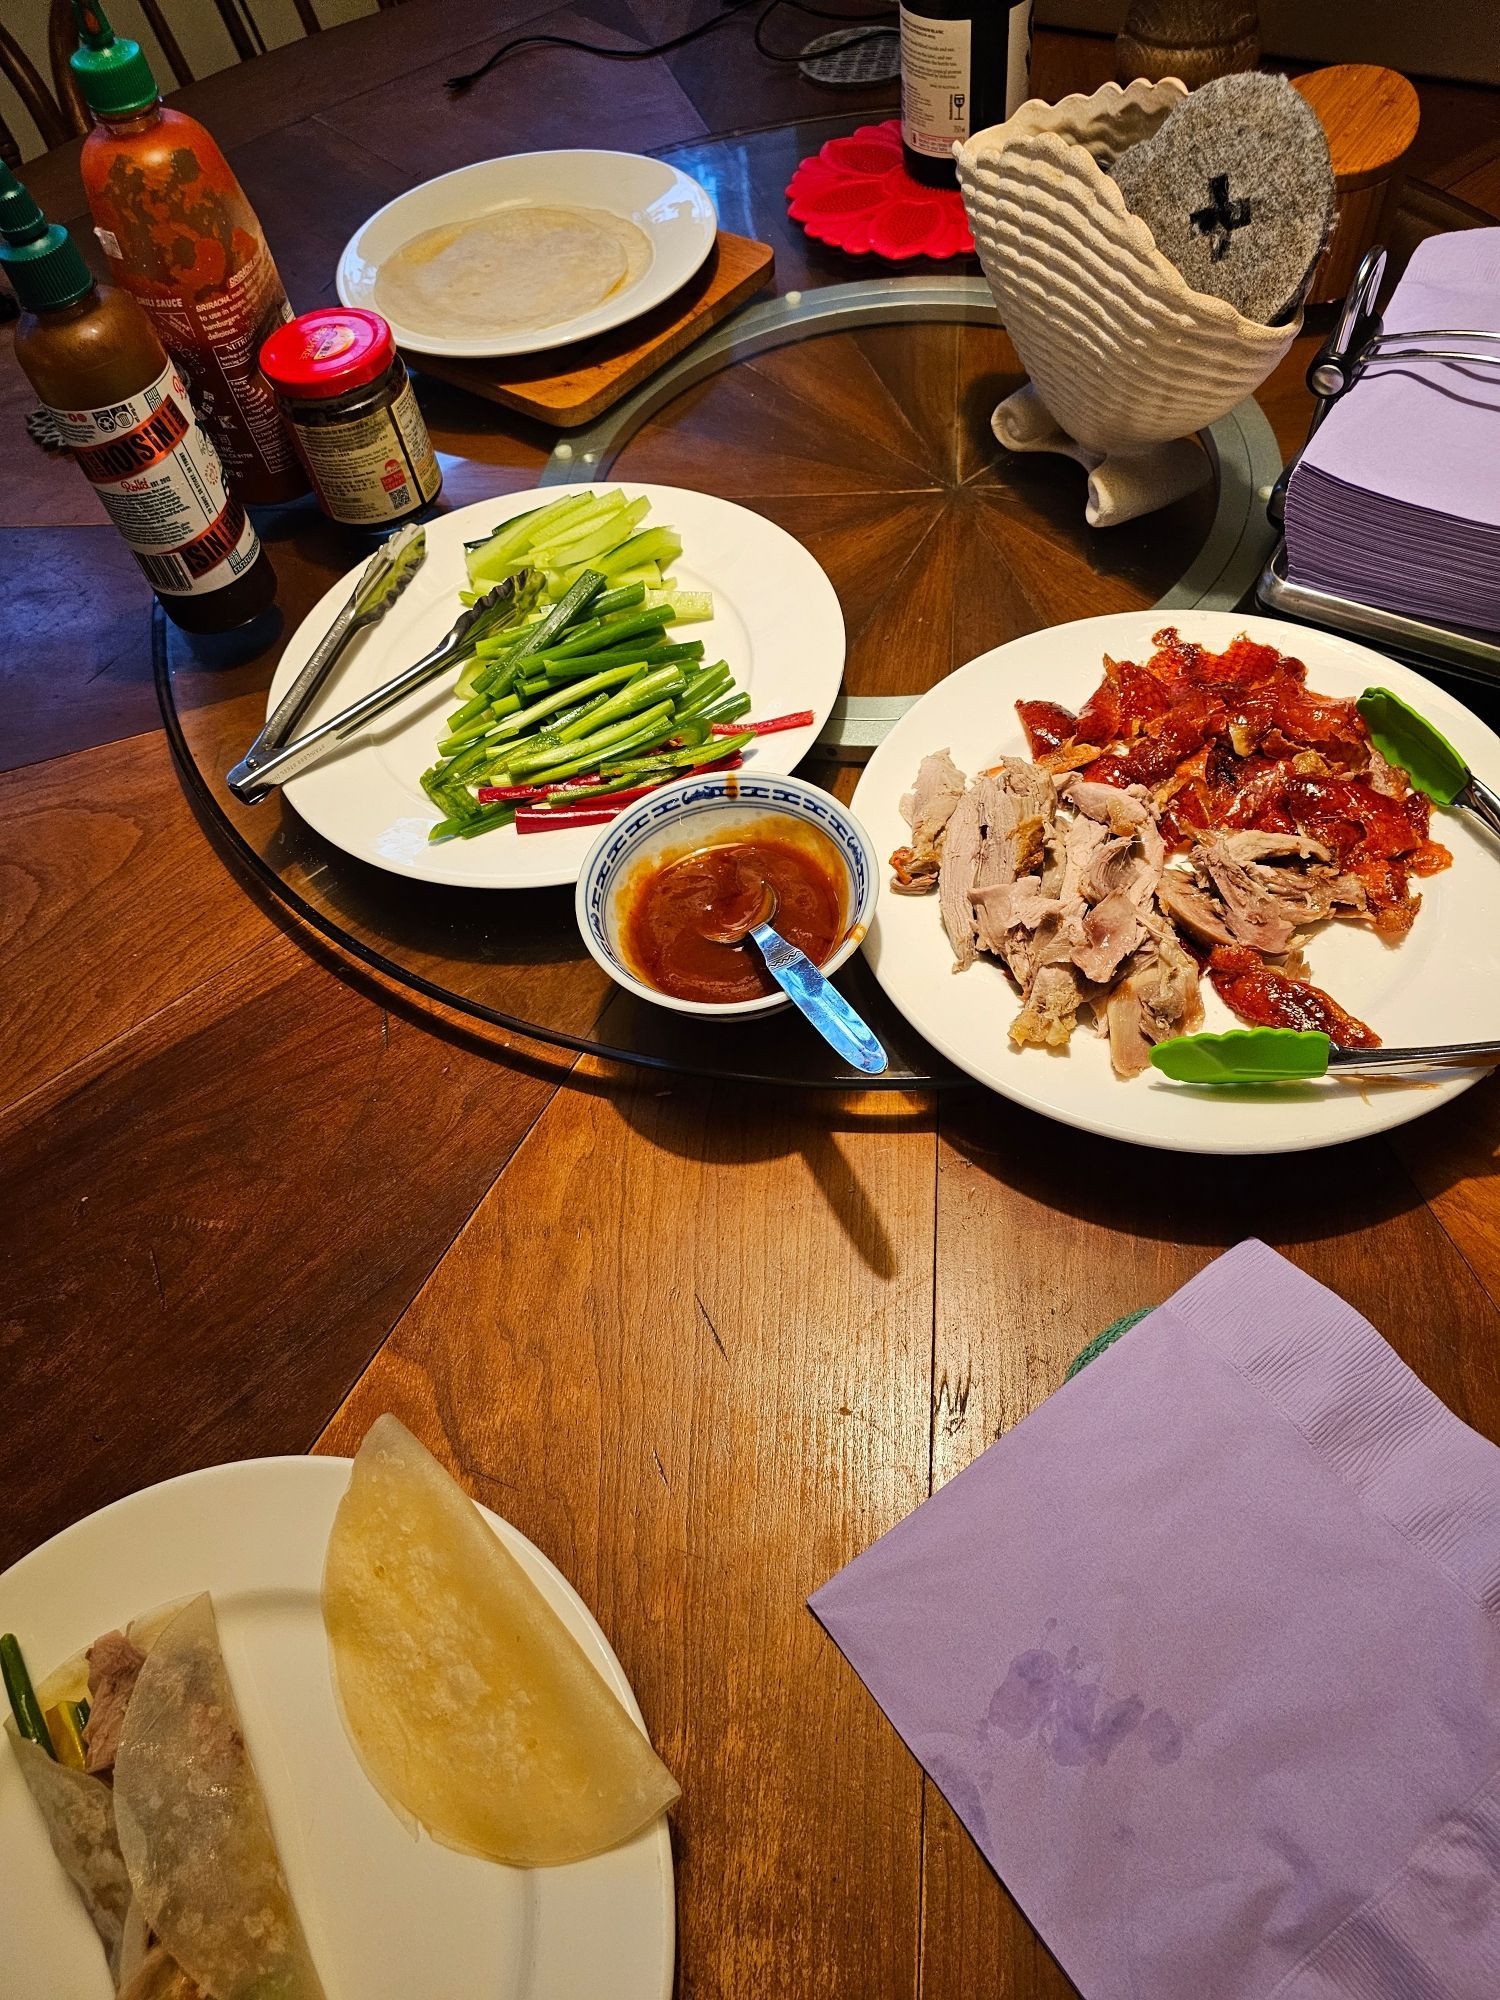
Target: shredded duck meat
x: 1237, y: 740
x: 1288, y: 813
x: 1276, y: 809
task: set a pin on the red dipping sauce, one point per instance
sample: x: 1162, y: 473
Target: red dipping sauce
x: 671, y: 903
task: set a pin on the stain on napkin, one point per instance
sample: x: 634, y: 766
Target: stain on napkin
x: 1206, y: 1656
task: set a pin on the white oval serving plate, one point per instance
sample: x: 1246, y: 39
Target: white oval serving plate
x: 1440, y: 984
x: 387, y: 1917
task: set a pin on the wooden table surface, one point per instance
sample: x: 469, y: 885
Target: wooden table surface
x: 701, y: 1345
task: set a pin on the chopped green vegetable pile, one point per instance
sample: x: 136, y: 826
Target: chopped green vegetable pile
x: 586, y: 694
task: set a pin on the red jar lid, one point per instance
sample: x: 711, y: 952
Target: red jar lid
x: 325, y: 352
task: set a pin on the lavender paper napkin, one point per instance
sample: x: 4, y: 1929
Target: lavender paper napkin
x: 1206, y: 1656
x: 1396, y: 500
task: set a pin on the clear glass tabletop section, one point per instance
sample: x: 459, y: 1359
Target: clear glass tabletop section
x: 872, y: 445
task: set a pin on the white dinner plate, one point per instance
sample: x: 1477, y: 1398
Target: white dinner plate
x: 670, y: 207
x: 1440, y: 984
x: 387, y: 1917
x: 776, y: 621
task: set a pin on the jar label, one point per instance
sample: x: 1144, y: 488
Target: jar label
x: 163, y: 487
x: 934, y: 83
x: 372, y: 469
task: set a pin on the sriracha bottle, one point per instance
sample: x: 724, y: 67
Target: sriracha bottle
x: 92, y: 357
x: 179, y: 235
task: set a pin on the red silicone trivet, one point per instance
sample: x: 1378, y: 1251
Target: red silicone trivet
x: 857, y: 195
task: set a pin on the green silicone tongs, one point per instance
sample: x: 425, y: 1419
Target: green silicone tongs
x: 1403, y: 737
x: 1299, y: 1055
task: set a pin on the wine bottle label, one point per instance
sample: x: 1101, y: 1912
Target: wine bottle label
x: 935, y: 83
x: 163, y: 487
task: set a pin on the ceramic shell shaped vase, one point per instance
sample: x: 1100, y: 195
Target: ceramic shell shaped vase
x: 1126, y: 361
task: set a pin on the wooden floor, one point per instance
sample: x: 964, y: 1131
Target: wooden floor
x: 702, y: 1345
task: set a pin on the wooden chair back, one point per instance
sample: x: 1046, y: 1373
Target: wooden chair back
x: 18, y: 70
x: 60, y: 114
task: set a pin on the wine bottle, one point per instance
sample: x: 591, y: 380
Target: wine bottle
x: 964, y: 65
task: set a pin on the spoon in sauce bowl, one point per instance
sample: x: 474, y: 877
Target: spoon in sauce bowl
x: 797, y: 976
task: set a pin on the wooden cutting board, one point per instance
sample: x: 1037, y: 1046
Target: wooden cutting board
x: 569, y: 386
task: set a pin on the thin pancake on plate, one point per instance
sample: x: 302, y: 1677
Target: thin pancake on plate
x: 471, y: 1706
x: 525, y: 266
x: 164, y: 1832
x: 193, y: 1826
x: 80, y: 1821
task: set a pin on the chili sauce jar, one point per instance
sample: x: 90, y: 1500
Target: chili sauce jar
x: 348, y: 402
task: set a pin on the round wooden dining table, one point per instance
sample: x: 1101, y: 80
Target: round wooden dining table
x: 702, y: 1342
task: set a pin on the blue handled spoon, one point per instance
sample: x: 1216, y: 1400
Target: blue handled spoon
x: 803, y: 984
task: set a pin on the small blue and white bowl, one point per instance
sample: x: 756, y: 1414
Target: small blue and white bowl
x: 706, y: 811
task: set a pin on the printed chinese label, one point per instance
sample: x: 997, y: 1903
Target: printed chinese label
x: 216, y: 337
x: 372, y: 469
x: 934, y: 83
x: 163, y: 487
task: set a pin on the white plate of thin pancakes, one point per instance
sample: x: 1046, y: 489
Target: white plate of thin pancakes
x: 529, y: 252
x: 387, y: 1916
x: 1438, y: 984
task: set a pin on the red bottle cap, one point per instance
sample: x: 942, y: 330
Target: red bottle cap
x: 325, y: 352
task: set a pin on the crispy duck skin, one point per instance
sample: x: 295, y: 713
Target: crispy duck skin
x: 1238, y: 740
x: 1285, y: 813
x: 1265, y: 998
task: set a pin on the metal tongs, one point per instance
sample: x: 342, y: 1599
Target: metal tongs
x: 1359, y: 342
x: 381, y: 582
x: 267, y: 763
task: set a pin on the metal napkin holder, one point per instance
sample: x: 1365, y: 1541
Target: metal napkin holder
x: 1357, y: 343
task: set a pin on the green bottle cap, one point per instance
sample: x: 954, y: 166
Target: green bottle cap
x: 112, y: 73
x: 39, y: 257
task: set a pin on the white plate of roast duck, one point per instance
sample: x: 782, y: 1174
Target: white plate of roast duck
x: 1126, y: 829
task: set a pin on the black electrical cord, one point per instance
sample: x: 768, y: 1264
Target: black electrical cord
x: 459, y: 84
x: 821, y: 14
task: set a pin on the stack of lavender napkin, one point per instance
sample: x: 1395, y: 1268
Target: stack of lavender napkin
x: 1206, y: 1656
x: 1396, y: 500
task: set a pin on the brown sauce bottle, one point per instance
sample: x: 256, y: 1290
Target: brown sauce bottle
x: 92, y: 357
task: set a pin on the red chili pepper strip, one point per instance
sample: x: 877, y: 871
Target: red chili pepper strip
x: 801, y: 720
x: 538, y: 816
x: 530, y: 821
x: 493, y: 795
